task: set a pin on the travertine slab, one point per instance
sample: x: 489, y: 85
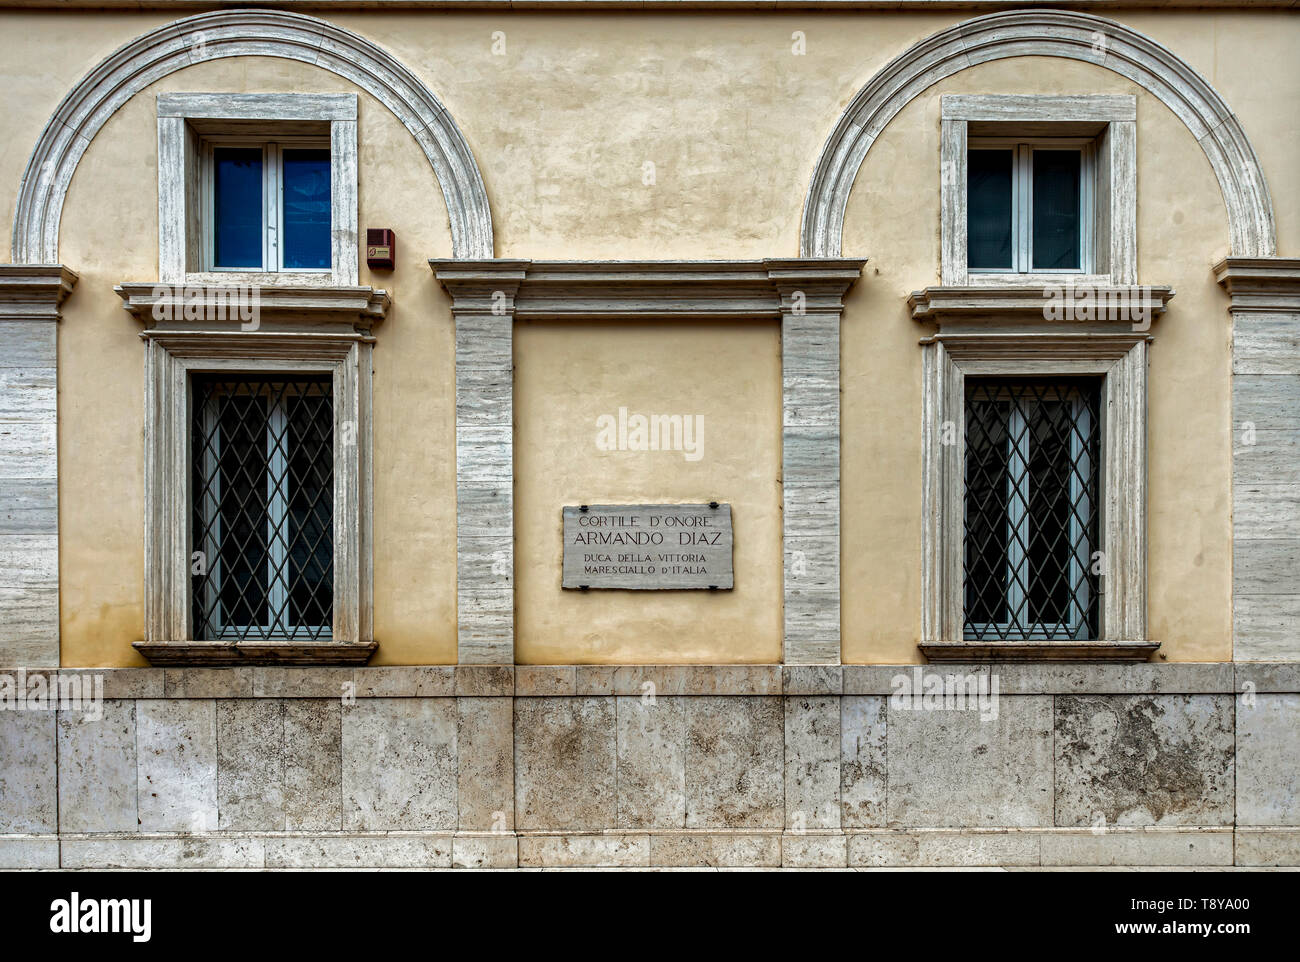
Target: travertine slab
x: 250, y: 765
x: 862, y: 761
x: 651, y: 762
x: 812, y: 762
x: 1144, y: 760
x: 97, y: 769
x: 1268, y: 760
x: 734, y: 762
x: 485, y: 764
x: 565, y: 759
x: 177, y: 777
x: 951, y: 768
x: 28, y: 781
x: 313, y: 765
x: 399, y: 765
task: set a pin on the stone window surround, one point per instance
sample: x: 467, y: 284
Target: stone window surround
x: 301, y: 329
x: 986, y: 331
x: 805, y: 294
x: 1111, y: 119
x: 183, y: 119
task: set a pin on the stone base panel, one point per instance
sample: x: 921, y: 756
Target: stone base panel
x: 1065, y: 765
x: 930, y: 848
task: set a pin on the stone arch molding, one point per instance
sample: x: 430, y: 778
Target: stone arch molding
x: 242, y: 33
x: 1021, y: 33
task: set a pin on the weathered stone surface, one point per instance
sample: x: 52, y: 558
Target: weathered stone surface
x: 954, y: 768
x: 814, y: 851
x: 406, y: 681
x: 1137, y: 847
x: 977, y: 848
x: 734, y: 762
x: 812, y: 762
x: 593, y: 679
x: 496, y: 680
x: 584, y: 850
x: 177, y: 777
x: 1267, y: 847
x: 313, y: 765
x: 486, y: 764
x: 97, y: 769
x: 484, y: 851
x: 391, y: 851
x: 565, y: 754
x: 862, y: 761
x: 399, y: 765
x: 323, y: 682
x: 27, y: 853
x: 1268, y: 760
x: 710, y: 849
x: 174, y: 853
x: 28, y: 780
x: 1144, y: 760
x: 208, y: 682
x: 250, y: 765
x: 539, y: 680
x: 651, y: 762
x: 879, y: 849
x: 812, y: 679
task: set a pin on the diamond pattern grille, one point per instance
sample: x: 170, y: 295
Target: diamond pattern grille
x: 1033, y: 459
x: 262, y: 452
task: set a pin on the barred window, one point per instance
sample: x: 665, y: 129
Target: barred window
x: 1031, y: 508
x: 262, y: 452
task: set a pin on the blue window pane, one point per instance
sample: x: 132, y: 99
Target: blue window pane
x: 237, y: 207
x: 988, y: 210
x: 1057, y: 209
x: 306, y: 209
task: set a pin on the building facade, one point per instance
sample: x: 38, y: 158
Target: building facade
x: 974, y: 323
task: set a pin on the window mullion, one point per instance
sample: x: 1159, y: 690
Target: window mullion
x: 1017, y: 515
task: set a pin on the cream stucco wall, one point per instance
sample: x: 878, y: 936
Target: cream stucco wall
x: 562, y: 127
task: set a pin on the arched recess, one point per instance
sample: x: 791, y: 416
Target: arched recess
x: 244, y: 33
x: 1041, y: 33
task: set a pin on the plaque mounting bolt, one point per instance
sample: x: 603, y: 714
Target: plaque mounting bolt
x: 713, y: 504
x: 582, y: 508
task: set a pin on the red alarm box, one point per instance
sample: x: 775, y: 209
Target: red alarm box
x: 381, y: 249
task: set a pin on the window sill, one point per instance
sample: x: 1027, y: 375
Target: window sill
x: 178, y: 654
x: 217, y: 305
x: 979, y: 651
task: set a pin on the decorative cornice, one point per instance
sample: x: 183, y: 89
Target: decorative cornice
x: 1036, y: 303
x: 244, y: 33
x: 34, y: 292
x: 1263, y: 284
x: 1042, y: 33
x: 631, y: 290
x: 168, y: 308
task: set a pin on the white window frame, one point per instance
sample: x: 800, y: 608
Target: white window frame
x: 1121, y: 360
x: 1108, y: 121
x: 1018, y: 518
x: 1022, y: 199
x: 271, y: 203
x: 277, y: 510
x: 187, y: 120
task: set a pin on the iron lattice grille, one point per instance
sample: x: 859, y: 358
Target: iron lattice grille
x: 262, y: 454
x: 1033, y: 459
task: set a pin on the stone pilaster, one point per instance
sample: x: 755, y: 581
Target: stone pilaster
x: 30, y: 296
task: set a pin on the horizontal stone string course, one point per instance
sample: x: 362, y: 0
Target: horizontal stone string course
x: 274, y: 772
x: 445, y: 681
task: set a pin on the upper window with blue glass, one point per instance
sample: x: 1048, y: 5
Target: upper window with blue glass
x: 268, y: 205
x: 1029, y: 206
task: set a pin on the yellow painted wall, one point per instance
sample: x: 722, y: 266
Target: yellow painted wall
x: 566, y: 376
x: 562, y: 127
